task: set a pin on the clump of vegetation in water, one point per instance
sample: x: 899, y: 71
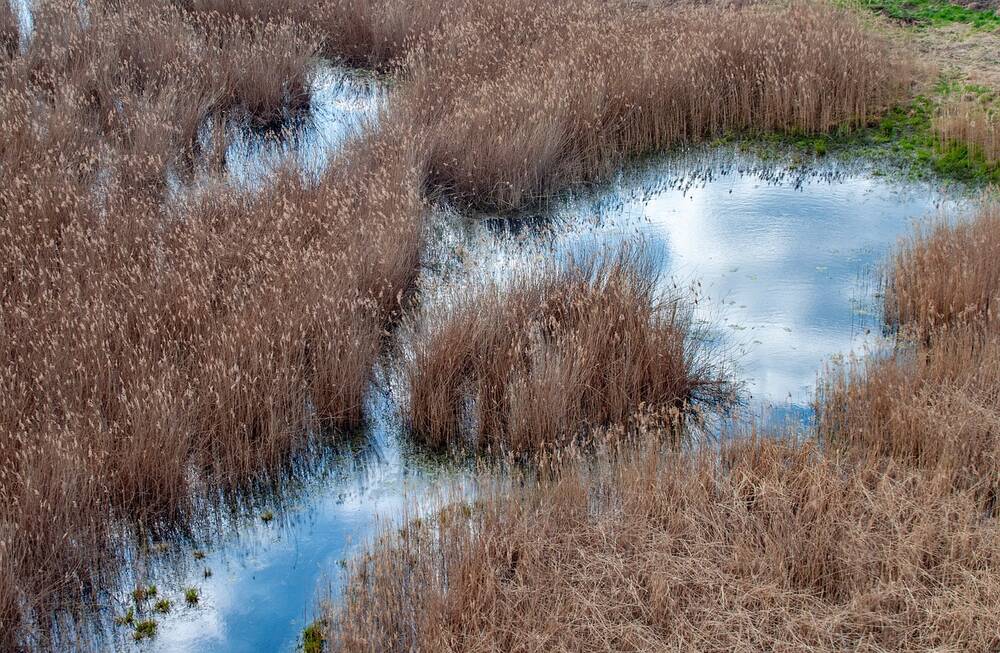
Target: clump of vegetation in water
x: 126, y: 619
x: 267, y: 516
x: 162, y: 606
x: 191, y: 596
x: 145, y: 629
x: 142, y: 593
x: 313, y: 639
x: 556, y: 355
x: 198, y: 554
x: 933, y: 12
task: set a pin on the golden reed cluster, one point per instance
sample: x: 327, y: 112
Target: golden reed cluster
x: 163, y: 340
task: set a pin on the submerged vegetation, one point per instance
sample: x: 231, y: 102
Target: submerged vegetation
x: 170, y: 338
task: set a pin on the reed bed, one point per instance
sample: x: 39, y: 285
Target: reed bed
x: 931, y: 404
x: 764, y: 546
x: 162, y: 349
x: 536, y: 363
x: 523, y: 99
x: 947, y: 275
x: 882, y: 535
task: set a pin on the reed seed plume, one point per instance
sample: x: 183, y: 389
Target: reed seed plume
x: 546, y: 358
x: 161, y: 349
x: 525, y: 100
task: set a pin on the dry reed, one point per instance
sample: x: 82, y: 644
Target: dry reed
x: 10, y: 30
x: 767, y: 546
x: 158, y: 349
x: 947, y: 275
x: 974, y: 123
x: 546, y: 358
x: 522, y: 99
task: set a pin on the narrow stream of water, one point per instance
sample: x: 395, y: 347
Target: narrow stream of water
x: 783, y: 265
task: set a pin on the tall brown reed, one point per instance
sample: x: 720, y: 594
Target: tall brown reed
x: 931, y: 404
x: 766, y: 546
x: 521, y: 99
x: 974, y: 123
x: 946, y: 275
x: 527, y: 99
x: 545, y: 358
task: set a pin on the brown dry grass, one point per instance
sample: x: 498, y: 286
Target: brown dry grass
x: 766, y: 547
x: 947, y: 275
x: 546, y: 358
x: 159, y: 350
x: 522, y: 99
x: 10, y: 30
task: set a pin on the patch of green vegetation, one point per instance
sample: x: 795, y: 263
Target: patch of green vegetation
x: 933, y: 12
x: 313, y: 639
x: 140, y: 594
x: 902, y: 139
x: 126, y: 619
x: 191, y: 596
x: 267, y: 516
x: 162, y: 606
x: 145, y: 629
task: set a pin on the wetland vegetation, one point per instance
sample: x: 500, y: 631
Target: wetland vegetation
x: 173, y: 341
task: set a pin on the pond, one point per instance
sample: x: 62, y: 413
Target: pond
x: 784, y: 265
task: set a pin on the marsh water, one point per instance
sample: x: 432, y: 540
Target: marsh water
x: 782, y: 260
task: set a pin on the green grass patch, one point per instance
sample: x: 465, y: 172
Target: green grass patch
x: 902, y: 142
x: 933, y: 12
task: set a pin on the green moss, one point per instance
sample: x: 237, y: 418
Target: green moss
x: 933, y: 12
x: 313, y: 639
